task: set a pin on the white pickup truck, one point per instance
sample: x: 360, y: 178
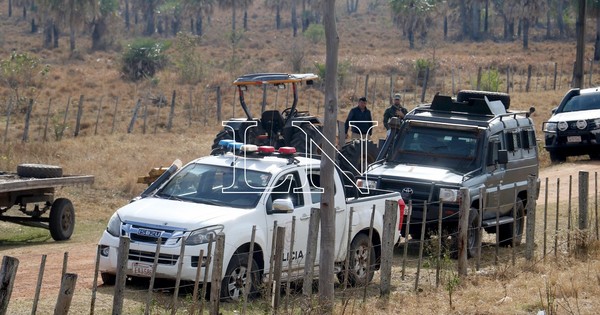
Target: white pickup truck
x: 230, y: 194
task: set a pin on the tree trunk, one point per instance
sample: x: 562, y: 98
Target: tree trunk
x: 326, y: 259
x: 560, y: 23
x: 34, y: 27
x: 464, y: 19
x: 199, y: 25
x: 304, y: 16
x: 71, y: 36
x: 127, y: 22
x: 245, y: 17
x: 548, y: 21
x: 580, y: 30
x: 47, y: 39
x: 9, y: 8
x: 511, y: 30
x: 445, y: 27
x: 411, y: 38
x: 485, y: 21
x: 55, y: 35
x: 475, y: 20
x: 150, y: 24
x: 278, y: 17
x: 99, y: 32
x: 233, y: 17
x: 294, y: 19
x: 525, y: 33
x: 24, y: 12
x: 597, y: 41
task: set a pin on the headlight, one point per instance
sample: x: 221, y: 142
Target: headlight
x: 448, y: 195
x: 550, y: 127
x: 597, y: 123
x: 114, y: 225
x: 371, y: 184
x: 203, y: 235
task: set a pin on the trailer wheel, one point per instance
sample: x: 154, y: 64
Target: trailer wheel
x: 62, y: 219
x: 39, y: 170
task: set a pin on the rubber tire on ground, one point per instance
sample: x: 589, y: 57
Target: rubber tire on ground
x: 39, y: 170
x: 233, y: 284
x: 557, y: 157
x: 350, y: 157
x: 465, y: 95
x: 506, y: 230
x: 62, y: 219
x: 300, y: 139
x: 472, y: 237
x: 357, y: 273
x: 225, y: 134
x: 108, y: 278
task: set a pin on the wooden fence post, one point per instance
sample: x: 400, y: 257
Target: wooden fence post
x: 112, y: 129
x: 178, y: 277
x: 366, y: 87
x: 278, y: 257
x: 98, y: 115
x: 507, y: 79
x: 121, y: 276
x: 95, y: 282
x: 10, y: 102
x: 390, y: 217
x: 290, y: 260
x: 7, y: 280
x: 530, y: 237
x: 463, y: 227
x: 45, y: 137
x: 348, y: 251
x: 219, y: 103
x: 556, y: 223
x: 311, y: 249
x: 248, y: 284
x: 134, y: 116
x: 369, y: 248
x: 478, y: 86
x: 583, y: 221
x: 407, y: 233
x: 425, y: 79
x: 527, y: 85
x: 153, y: 275
x: 172, y: 112
x: 555, y: 75
x: 79, y: 114
x: 38, y: 286
x: 27, y: 118
x: 217, y: 275
x: 67, y: 288
x: 64, y: 124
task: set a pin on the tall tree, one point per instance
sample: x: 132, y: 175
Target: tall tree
x: 198, y: 9
x: 51, y: 13
x: 229, y: 4
x: 294, y: 18
x: 508, y: 12
x: 594, y: 11
x: 100, y: 31
x: 148, y: 9
x: 351, y: 6
x: 277, y: 6
x: 413, y: 16
x: 531, y: 11
x: 326, y: 258
x: 76, y: 13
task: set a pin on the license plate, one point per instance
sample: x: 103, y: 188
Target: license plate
x: 142, y: 269
x: 574, y: 139
x: 150, y: 233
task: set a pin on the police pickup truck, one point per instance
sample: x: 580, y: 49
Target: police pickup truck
x: 230, y: 193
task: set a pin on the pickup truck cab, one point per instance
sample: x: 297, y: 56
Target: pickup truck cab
x: 230, y: 193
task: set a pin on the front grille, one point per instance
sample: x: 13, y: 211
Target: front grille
x: 146, y: 239
x: 420, y: 191
x: 148, y: 257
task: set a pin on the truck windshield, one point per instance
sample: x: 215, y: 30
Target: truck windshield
x: 216, y: 185
x: 456, y: 150
x: 582, y: 102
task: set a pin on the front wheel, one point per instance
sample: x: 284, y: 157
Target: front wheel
x: 361, y: 262
x: 557, y: 157
x: 234, y: 283
x: 62, y: 219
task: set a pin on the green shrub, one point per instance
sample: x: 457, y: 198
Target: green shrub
x: 490, y: 80
x: 143, y: 58
x: 189, y: 62
x: 343, y: 71
x: 315, y: 33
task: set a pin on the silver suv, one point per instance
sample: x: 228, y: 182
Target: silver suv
x: 574, y: 128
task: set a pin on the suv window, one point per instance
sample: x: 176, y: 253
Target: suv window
x: 582, y: 102
x: 288, y: 186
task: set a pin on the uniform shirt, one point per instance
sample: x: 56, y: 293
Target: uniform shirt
x: 391, y: 112
x: 360, y: 119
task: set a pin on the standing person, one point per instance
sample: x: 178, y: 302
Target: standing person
x: 395, y: 110
x: 361, y: 119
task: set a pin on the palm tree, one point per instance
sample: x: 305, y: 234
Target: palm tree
x: 277, y: 6
x: 198, y: 9
x: 413, y: 16
x: 100, y: 30
x: 226, y: 4
x: 531, y: 10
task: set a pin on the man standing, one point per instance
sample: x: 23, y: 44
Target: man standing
x: 361, y: 119
x: 395, y: 110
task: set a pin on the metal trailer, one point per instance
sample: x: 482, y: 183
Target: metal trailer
x: 32, y: 191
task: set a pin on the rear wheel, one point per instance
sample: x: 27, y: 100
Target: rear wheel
x: 506, y: 230
x: 351, y: 159
x: 301, y: 139
x: 108, y: 278
x: 557, y: 156
x: 62, y: 219
x: 361, y: 262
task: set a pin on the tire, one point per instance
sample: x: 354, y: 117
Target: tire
x: 300, y: 139
x: 351, y: 159
x: 62, y: 219
x: 465, y: 95
x: 472, y: 237
x: 225, y: 134
x: 39, y: 170
x: 233, y: 284
x: 357, y: 274
x: 557, y: 157
x: 506, y: 230
x: 108, y: 278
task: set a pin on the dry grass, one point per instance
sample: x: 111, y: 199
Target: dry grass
x: 565, y: 285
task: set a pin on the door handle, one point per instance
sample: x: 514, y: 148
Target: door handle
x: 304, y: 217
x: 339, y: 209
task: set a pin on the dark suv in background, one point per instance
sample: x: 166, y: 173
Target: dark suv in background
x: 574, y: 128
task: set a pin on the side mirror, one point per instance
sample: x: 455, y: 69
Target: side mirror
x: 502, y: 157
x: 554, y: 110
x: 283, y: 206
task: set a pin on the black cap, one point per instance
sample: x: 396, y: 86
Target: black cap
x: 363, y: 99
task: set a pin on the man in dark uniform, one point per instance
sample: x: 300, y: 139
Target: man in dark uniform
x: 395, y: 110
x: 361, y: 119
